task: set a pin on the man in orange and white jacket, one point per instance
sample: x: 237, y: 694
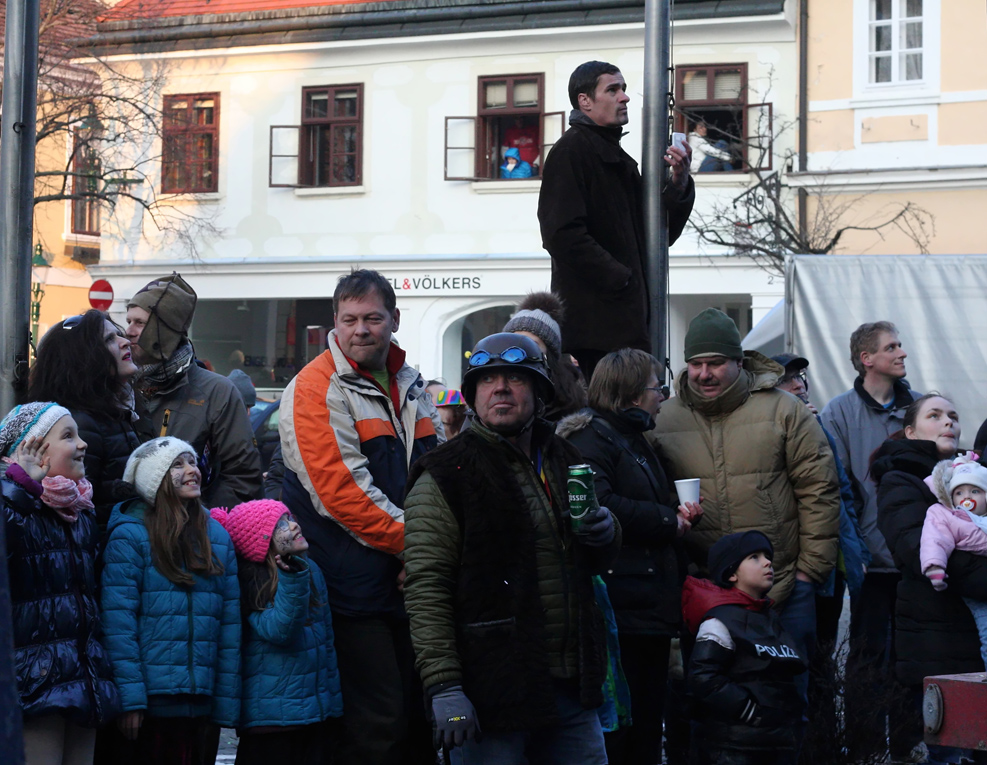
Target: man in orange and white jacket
x: 352, y: 423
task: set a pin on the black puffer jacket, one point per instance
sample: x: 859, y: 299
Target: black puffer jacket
x: 935, y: 632
x: 61, y: 665
x: 645, y: 582
x: 109, y: 443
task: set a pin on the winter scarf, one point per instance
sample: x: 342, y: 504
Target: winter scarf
x: 153, y: 377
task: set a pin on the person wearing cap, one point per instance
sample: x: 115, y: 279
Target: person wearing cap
x: 176, y: 397
x: 743, y: 667
x: 452, y: 410
x: 352, y: 424
x: 763, y: 463
x: 507, y: 634
x: 591, y: 214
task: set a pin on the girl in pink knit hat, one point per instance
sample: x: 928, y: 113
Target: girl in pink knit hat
x: 291, y: 702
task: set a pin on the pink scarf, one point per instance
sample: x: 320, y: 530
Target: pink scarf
x: 67, y: 497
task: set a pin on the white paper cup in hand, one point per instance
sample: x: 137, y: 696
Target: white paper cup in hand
x: 688, y: 490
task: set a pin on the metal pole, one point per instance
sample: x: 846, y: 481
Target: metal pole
x: 657, y: 58
x: 17, y: 137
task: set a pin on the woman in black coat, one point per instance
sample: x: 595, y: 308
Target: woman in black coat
x: 84, y: 364
x: 645, y: 582
x: 934, y: 631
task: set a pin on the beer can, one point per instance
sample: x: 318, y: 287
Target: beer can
x: 582, y: 496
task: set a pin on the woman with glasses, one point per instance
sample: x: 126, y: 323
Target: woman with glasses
x: 84, y: 364
x: 645, y: 582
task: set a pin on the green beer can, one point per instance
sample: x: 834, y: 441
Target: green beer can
x: 582, y: 496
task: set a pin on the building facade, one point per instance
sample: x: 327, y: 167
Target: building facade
x: 897, y: 102
x: 301, y: 142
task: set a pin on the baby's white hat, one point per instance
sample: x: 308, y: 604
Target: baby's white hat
x: 968, y: 473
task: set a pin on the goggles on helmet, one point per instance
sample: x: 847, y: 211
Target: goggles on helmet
x: 512, y: 355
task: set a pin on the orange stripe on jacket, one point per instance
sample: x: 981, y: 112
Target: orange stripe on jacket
x: 330, y: 475
x: 424, y: 427
x: 372, y: 428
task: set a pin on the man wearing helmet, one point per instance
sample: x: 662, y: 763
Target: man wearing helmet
x: 506, y: 631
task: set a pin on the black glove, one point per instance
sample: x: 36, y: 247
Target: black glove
x: 454, y: 718
x: 597, y: 530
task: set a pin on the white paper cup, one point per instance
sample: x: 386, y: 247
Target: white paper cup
x: 688, y: 490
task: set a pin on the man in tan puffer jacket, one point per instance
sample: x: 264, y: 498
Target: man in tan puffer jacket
x: 762, y: 460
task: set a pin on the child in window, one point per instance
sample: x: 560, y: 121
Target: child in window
x: 957, y: 522
x: 291, y: 697
x: 64, y: 680
x: 743, y: 667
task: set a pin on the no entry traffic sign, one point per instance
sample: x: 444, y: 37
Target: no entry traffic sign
x: 101, y: 295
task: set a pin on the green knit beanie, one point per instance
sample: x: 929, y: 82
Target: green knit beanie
x: 171, y: 303
x: 713, y: 333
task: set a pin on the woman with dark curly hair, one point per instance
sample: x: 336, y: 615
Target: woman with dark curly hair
x: 84, y: 364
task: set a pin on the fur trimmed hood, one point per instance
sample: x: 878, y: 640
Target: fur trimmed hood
x: 574, y: 423
x: 942, y: 475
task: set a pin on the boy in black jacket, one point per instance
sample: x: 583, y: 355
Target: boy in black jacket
x: 743, y: 667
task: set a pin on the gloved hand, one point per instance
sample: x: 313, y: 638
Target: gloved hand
x: 454, y: 718
x: 597, y: 529
x: 937, y: 575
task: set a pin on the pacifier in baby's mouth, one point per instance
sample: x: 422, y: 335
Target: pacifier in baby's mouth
x: 968, y: 504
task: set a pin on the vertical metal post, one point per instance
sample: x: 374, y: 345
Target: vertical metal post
x: 17, y: 137
x: 657, y: 58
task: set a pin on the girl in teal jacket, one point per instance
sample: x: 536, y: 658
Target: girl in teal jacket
x: 291, y: 696
x: 171, y: 613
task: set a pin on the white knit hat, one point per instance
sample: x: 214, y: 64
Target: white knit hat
x: 968, y: 473
x: 150, y: 463
x: 27, y: 421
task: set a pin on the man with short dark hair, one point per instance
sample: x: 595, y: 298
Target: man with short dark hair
x: 508, y: 637
x: 860, y: 420
x: 177, y: 397
x: 591, y: 212
x: 352, y: 423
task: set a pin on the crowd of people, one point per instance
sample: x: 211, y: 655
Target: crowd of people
x: 411, y: 581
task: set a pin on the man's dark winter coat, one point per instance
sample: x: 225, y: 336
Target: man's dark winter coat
x: 592, y: 224
x: 935, y: 633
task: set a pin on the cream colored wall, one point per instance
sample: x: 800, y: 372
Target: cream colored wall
x: 952, y: 211
x: 964, y: 25
x: 830, y: 49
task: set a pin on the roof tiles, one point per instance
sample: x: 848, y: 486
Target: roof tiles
x: 146, y: 9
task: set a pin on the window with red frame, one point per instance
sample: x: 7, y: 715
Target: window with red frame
x: 332, y: 136
x: 85, y: 185
x: 190, y: 161
x: 711, y: 105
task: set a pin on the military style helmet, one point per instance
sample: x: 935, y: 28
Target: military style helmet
x: 507, y: 349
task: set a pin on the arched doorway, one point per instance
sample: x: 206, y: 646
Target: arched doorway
x: 460, y: 337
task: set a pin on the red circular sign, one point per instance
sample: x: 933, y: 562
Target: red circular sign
x: 101, y: 295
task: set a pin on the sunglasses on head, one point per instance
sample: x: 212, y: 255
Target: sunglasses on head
x: 512, y: 355
x: 73, y: 321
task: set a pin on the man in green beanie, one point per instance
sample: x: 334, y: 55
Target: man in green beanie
x: 763, y: 463
x: 177, y: 397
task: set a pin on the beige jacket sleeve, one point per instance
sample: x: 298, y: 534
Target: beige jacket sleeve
x: 812, y: 471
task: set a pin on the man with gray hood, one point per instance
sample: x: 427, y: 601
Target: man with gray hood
x: 591, y: 212
x: 762, y: 460
x: 176, y: 397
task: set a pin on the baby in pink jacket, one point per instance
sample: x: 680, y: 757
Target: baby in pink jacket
x: 957, y: 522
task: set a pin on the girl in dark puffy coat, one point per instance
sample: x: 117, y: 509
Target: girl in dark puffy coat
x: 645, y: 582
x: 171, y: 614
x: 84, y: 363
x: 63, y: 675
x: 291, y: 702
